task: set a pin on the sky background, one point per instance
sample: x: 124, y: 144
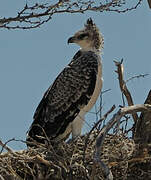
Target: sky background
x: 30, y: 60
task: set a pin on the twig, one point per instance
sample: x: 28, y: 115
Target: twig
x: 101, y: 137
x: 137, y: 76
x: 105, y: 91
x: 35, y: 15
x: 94, y: 127
x: 101, y: 102
x: 4, y: 146
x: 39, y: 159
x: 1, y: 178
x: 126, y: 120
x: 133, y: 160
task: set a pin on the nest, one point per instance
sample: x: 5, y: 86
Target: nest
x: 75, y: 161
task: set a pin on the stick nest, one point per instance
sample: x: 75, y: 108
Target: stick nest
x: 75, y: 161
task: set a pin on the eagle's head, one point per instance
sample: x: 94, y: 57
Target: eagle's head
x: 88, y: 38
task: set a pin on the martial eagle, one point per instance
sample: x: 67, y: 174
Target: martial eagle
x: 73, y: 93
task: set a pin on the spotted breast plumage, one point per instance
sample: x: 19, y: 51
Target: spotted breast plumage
x: 73, y: 93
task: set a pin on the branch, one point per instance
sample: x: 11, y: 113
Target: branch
x: 143, y: 126
x: 101, y: 137
x: 137, y: 76
x: 94, y: 127
x: 149, y: 3
x: 39, y: 13
x: 4, y: 146
x: 123, y: 87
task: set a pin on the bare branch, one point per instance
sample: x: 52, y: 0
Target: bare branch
x: 149, y: 3
x: 4, y: 146
x: 101, y: 137
x: 123, y: 87
x: 143, y: 126
x: 137, y: 76
x: 94, y: 127
x: 39, y: 13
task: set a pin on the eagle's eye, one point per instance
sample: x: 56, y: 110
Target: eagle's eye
x: 83, y: 36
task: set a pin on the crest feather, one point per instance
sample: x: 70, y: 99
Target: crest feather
x: 89, y: 24
x: 89, y: 21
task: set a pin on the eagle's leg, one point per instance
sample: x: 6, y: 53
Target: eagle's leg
x: 77, y: 126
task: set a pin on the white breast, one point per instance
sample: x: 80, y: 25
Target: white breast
x: 76, y: 126
x: 79, y: 120
x: 97, y: 90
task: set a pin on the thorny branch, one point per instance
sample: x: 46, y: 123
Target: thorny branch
x: 101, y: 137
x: 33, y: 16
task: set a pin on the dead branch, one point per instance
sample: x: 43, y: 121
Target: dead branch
x: 143, y: 126
x: 101, y: 137
x: 39, y: 159
x: 35, y: 15
x: 4, y: 146
x: 42, y: 163
x: 137, y: 76
x: 112, y: 153
x: 1, y: 178
x: 94, y: 127
x: 123, y: 87
x: 149, y: 3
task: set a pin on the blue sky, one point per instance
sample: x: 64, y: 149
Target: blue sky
x: 31, y: 60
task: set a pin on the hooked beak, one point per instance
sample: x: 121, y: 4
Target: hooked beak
x: 71, y: 40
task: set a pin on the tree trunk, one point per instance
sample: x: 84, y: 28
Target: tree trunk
x: 142, y: 134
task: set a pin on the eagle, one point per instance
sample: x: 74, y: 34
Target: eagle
x: 73, y: 93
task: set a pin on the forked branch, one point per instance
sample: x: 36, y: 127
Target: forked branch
x: 101, y: 137
x: 123, y: 87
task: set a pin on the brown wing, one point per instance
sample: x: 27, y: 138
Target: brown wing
x: 62, y: 102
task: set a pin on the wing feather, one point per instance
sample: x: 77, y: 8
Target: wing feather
x: 70, y: 92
